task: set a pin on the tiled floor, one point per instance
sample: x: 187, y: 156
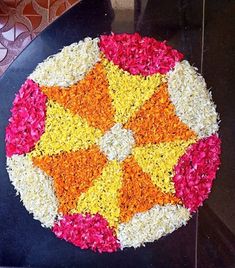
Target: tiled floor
x: 22, y: 20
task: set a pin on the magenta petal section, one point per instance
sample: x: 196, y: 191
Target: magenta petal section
x: 27, y: 122
x: 139, y: 55
x: 87, y: 231
x: 196, y: 171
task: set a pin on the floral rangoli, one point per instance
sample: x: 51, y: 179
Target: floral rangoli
x: 113, y: 142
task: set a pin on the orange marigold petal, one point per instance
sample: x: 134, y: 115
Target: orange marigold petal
x: 73, y: 173
x: 156, y: 121
x: 138, y: 194
x: 89, y: 98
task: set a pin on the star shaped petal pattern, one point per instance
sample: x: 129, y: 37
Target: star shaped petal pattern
x: 112, y: 143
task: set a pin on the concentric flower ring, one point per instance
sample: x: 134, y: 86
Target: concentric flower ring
x: 111, y: 137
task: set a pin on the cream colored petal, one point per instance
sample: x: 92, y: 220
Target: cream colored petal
x: 68, y: 66
x: 192, y: 100
x: 35, y: 189
x: 152, y: 225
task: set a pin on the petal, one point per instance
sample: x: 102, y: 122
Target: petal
x: 68, y: 66
x: 87, y: 231
x: 103, y: 196
x: 157, y: 122
x: 73, y: 173
x: 152, y: 225
x: 196, y: 170
x: 27, y: 122
x: 64, y: 132
x: 139, y: 55
x: 138, y: 194
x: 35, y: 187
x: 158, y: 161
x: 89, y: 98
x: 129, y: 92
x: 193, y: 102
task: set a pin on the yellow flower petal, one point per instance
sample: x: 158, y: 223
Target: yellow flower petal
x: 64, y: 132
x: 158, y: 160
x: 103, y: 196
x: 129, y: 92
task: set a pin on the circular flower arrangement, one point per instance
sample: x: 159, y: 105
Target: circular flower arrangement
x: 113, y: 142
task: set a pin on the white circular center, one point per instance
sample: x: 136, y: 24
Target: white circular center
x: 117, y: 143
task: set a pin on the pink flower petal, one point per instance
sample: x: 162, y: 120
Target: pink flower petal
x: 196, y: 171
x: 139, y: 55
x: 89, y: 231
x: 27, y: 122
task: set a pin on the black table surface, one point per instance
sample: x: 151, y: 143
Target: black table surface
x: 204, y: 32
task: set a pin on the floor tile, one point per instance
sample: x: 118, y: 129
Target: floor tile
x: 22, y: 20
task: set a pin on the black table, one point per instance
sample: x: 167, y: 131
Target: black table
x: 23, y: 242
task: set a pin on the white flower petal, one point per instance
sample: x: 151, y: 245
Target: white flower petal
x: 68, y: 66
x: 35, y: 189
x: 192, y: 100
